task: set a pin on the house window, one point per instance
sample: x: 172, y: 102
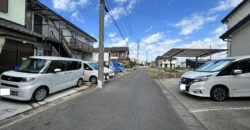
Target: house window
x: 115, y: 54
x: 4, y: 6
x: 74, y: 35
x: 38, y: 23
x: 122, y: 54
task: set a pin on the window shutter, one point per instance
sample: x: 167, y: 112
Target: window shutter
x: 4, y: 6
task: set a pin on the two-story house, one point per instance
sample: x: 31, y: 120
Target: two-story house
x: 119, y: 54
x: 27, y: 27
x: 237, y: 35
x: 166, y: 62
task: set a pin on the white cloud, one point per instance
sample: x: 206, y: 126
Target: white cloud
x: 74, y: 16
x: 153, y: 38
x: 68, y: 5
x: 194, y: 23
x: 121, y: 1
x: 224, y: 5
x: 220, y: 30
x: 120, y: 11
x: 172, y: 41
x: 117, y: 42
x: 148, y: 29
x: 111, y: 35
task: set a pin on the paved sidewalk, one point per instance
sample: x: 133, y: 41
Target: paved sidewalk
x: 9, y: 108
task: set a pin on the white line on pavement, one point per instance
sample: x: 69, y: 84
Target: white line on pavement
x: 220, y: 109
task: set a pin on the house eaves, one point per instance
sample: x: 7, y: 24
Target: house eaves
x: 233, y: 11
x: 18, y: 28
x: 63, y: 19
x: 235, y: 27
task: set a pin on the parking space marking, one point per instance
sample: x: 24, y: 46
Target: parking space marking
x: 219, y: 109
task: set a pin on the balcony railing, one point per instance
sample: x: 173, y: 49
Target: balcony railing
x: 81, y: 46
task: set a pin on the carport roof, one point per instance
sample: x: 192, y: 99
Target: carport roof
x: 187, y: 52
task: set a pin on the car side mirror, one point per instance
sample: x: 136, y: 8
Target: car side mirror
x: 57, y: 70
x: 237, y: 71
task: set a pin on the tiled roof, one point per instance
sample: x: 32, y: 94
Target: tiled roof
x: 164, y: 58
x: 112, y: 49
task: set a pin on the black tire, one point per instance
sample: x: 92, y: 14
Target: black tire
x: 79, y: 83
x: 39, y: 94
x: 219, y: 93
x: 93, y: 80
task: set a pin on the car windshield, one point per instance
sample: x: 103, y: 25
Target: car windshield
x: 94, y: 65
x: 32, y: 65
x: 215, y: 65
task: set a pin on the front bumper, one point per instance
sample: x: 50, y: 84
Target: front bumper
x: 196, y: 89
x: 23, y: 92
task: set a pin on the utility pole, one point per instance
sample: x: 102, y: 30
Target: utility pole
x: 210, y: 50
x: 146, y: 58
x: 101, y: 45
x: 138, y: 48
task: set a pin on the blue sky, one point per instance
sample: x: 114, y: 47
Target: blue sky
x: 158, y: 25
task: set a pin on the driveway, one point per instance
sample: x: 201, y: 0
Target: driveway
x: 132, y: 102
x: 231, y: 114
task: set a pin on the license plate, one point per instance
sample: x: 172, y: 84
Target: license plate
x: 182, y: 87
x: 4, y: 92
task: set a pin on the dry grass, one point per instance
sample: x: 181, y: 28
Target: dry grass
x: 153, y: 74
x: 162, y: 75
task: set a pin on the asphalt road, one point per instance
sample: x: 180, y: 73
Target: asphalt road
x: 132, y: 102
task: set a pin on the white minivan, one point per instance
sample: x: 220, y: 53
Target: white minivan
x: 39, y: 76
x: 219, y: 79
x: 91, y: 72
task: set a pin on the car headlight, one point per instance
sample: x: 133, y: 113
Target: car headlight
x: 202, y: 78
x: 27, y: 79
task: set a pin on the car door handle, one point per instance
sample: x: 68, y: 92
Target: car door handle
x: 67, y: 72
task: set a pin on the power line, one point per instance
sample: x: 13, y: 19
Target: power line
x: 115, y: 23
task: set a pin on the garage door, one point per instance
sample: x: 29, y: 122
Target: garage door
x: 12, y: 54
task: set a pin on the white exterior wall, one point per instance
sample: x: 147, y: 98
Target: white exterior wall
x: 16, y: 11
x: 240, y: 42
x: 167, y: 62
x: 95, y: 56
x: 239, y: 15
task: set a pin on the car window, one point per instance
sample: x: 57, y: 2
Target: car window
x: 87, y: 67
x: 73, y: 65
x: 57, y: 65
x: 245, y: 66
x: 228, y: 70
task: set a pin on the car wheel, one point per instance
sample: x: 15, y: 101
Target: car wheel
x: 79, y: 83
x: 93, y: 80
x: 219, y: 93
x: 39, y: 94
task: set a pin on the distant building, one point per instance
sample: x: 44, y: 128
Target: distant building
x: 153, y: 63
x: 191, y: 63
x: 119, y: 54
x: 95, y: 55
x: 27, y: 28
x: 164, y: 61
x: 238, y: 33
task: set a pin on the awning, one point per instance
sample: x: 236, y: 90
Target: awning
x: 186, y: 52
